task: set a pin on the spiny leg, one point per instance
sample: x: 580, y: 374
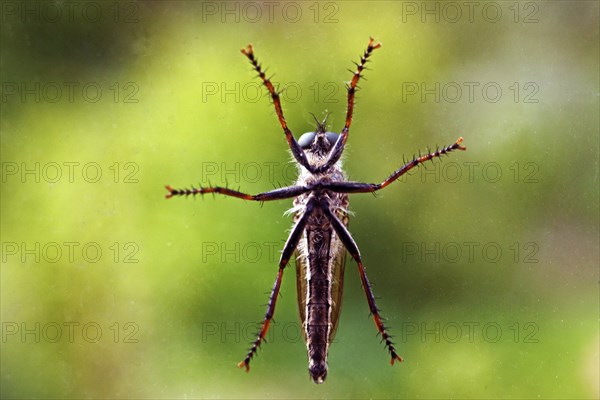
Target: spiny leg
x: 296, y: 149
x: 277, y: 194
x: 358, y: 187
x: 350, y: 244
x: 288, y: 250
x: 338, y: 149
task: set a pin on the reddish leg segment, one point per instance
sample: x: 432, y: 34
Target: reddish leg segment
x: 354, y: 84
x: 350, y: 244
x: 338, y: 149
x: 277, y: 194
x: 288, y: 250
x: 358, y: 187
x: 296, y: 149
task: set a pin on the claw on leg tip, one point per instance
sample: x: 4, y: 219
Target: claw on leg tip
x: 244, y: 364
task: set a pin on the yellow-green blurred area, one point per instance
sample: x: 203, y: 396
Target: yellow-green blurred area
x: 485, y: 263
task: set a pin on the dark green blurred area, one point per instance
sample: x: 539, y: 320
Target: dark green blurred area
x: 486, y: 264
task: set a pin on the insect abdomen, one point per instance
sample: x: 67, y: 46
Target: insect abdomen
x: 318, y: 301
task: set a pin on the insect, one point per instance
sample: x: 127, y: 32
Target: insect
x: 319, y: 237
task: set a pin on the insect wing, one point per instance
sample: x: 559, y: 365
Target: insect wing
x: 301, y: 268
x: 337, y: 265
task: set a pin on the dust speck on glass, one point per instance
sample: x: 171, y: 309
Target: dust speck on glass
x: 319, y: 238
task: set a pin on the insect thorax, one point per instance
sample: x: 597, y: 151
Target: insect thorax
x: 338, y: 202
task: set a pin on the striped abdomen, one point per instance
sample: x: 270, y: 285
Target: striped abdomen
x: 320, y: 260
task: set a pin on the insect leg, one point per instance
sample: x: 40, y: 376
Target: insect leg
x: 288, y: 250
x: 350, y: 244
x: 338, y: 148
x: 294, y: 147
x: 277, y: 194
x: 358, y: 187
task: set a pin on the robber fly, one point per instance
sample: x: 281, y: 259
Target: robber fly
x: 319, y: 237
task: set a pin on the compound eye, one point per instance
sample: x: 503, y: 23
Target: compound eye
x: 306, y: 139
x: 332, y: 137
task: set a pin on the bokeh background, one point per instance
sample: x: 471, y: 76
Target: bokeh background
x: 486, y: 264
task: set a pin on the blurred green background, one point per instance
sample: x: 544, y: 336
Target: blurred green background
x: 486, y: 264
